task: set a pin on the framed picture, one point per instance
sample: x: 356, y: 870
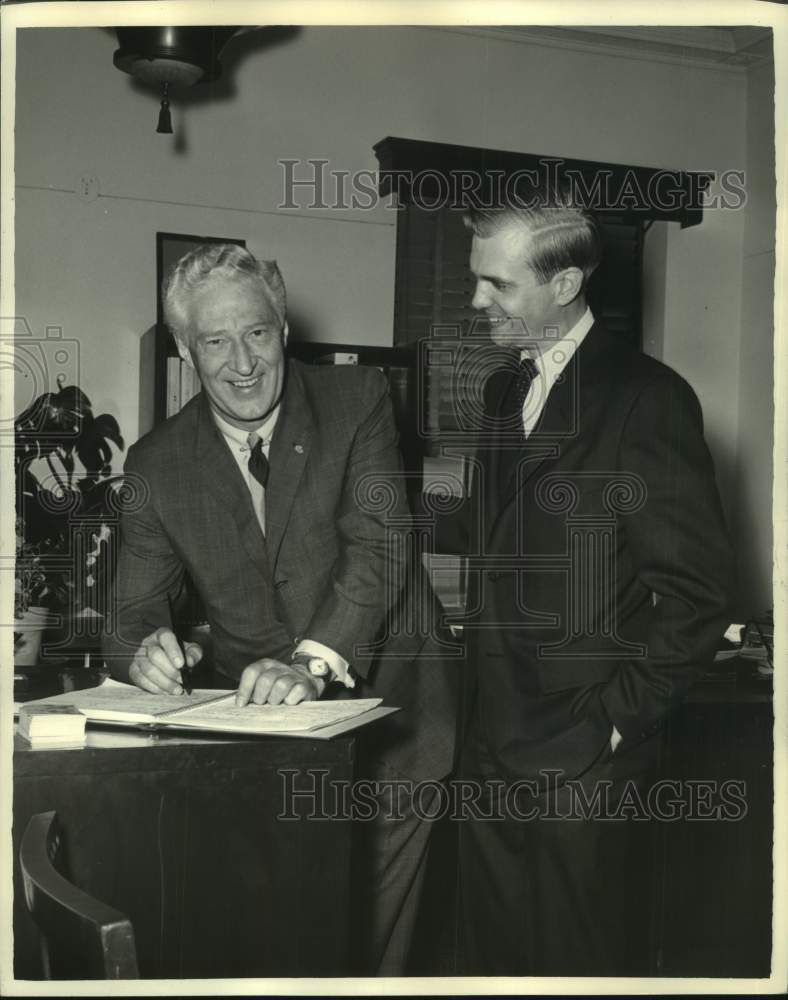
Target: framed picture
x: 170, y: 247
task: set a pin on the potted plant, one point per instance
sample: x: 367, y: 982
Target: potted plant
x: 62, y: 461
x: 30, y: 616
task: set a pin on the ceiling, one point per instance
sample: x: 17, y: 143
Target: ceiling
x: 734, y: 46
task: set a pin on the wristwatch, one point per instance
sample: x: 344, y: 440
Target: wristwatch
x: 317, y: 666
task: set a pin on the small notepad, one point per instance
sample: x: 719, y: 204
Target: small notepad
x: 51, y: 723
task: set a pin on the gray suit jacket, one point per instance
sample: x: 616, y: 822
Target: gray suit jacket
x: 329, y: 568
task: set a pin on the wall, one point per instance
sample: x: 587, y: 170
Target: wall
x: 753, y: 512
x: 332, y: 93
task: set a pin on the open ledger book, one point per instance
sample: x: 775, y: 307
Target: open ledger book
x: 123, y: 704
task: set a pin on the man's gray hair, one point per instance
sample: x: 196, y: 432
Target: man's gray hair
x: 216, y: 260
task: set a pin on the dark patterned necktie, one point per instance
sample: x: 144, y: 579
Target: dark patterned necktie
x: 258, y: 463
x: 518, y: 390
x: 512, y: 414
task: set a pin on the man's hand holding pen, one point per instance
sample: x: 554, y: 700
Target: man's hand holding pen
x: 159, y: 663
x: 162, y: 665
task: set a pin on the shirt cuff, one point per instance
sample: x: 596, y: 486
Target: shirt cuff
x: 338, y: 666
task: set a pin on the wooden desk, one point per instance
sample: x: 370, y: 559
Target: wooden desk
x: 182, y: 835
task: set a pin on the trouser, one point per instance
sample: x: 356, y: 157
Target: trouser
x: 388, y: 866
x: 558, y: 885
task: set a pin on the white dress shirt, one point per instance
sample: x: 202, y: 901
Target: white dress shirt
x: 237, y: 441
x: 551, y: 357
x: 238, y: 444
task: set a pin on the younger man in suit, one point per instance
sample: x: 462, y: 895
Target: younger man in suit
x: 600, y: 588
x: 279, y: 490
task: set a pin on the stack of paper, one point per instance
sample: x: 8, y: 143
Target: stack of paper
x: 41, y: 723
x: 213, y: 711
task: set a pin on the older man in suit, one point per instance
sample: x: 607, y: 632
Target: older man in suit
x: 600, y: 577
x: 278, y: 489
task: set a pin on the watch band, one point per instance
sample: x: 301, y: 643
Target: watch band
x: 316, y: 665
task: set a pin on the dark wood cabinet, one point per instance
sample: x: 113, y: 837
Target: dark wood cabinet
x: 714, y: 884
x: 712, y: 877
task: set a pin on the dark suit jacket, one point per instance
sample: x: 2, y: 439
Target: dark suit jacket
x: 328, y: 568
x: 613, y: 501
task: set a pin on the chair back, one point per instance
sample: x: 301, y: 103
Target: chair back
x: 81, y: 937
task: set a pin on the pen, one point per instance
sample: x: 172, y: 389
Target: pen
x: 186, y: 680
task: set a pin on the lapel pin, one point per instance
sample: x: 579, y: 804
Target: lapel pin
x: 299, y: 449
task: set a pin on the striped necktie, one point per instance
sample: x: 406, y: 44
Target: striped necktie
x: 258, y: 463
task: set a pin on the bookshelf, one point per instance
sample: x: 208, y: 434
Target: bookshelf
x: 398, y: 364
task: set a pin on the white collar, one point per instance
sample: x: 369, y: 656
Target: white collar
x: 554, y: 355
x: 236, y: 436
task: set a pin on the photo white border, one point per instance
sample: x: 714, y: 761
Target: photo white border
x: 411, y: 12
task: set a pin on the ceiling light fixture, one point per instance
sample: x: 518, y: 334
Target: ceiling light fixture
x: 172, y: 56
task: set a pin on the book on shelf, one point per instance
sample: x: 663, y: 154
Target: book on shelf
x: 115, y: 703
x: 446, y: 475
x: 399, y: 379
x: 173, y: 385
x: 338, y: 358
x: 190, y: 383
x: 182, y: 384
